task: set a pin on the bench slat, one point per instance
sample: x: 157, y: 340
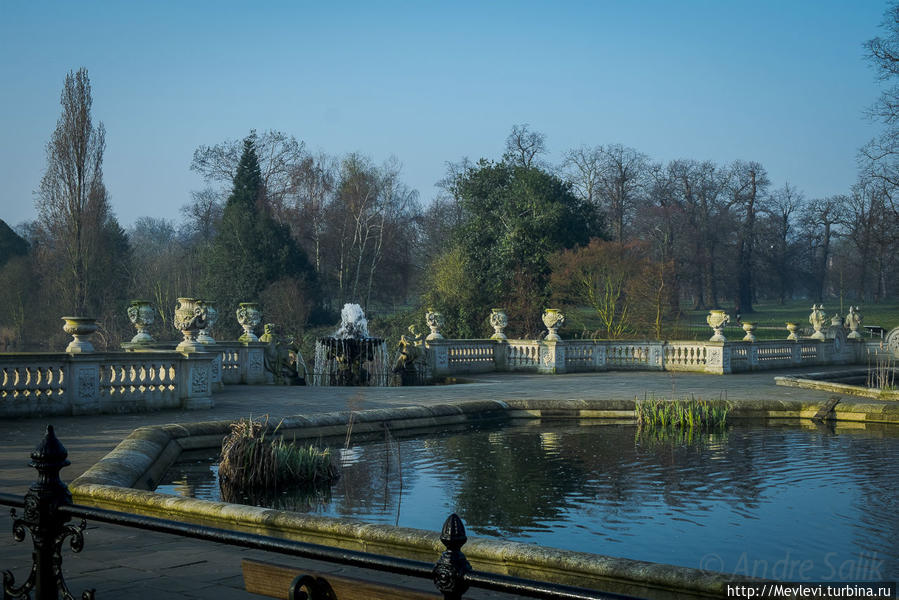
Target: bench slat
x: 273, y: 580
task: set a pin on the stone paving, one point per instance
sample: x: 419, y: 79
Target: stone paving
x: 120, y: 561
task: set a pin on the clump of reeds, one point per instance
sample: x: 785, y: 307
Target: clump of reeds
x: 256, y: 460
x: 882, y: 374
x: 688, y: 413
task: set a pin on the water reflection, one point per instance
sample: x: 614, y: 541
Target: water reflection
x: 752, y: 496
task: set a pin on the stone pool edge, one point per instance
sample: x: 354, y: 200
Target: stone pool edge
x: 121, y: 479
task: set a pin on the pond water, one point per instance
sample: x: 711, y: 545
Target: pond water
x: 781, y: 502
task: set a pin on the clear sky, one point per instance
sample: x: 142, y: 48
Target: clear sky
x: 782, y: 82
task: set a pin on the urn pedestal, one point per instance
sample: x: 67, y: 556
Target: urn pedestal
x: 434, y: 320
x: 81, y: 329
x: 553, y: 319
x: 249, y: 317
x: 499, y: 321
x: 141, y: 315
x: 190, y: 318
x: 717, y: 319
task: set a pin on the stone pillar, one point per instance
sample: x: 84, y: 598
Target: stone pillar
x: 552, y: 357
x: 252, y: 363
x: 599, y: 356
x: 195, y: 380
x: 717, y: 358
x: 83, y: 384
x: 501, y: 354
x: 438, y: 357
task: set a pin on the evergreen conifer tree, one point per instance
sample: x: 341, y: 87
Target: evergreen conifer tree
x: 251, y: 250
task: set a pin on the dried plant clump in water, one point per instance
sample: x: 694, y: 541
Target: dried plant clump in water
x: 688, y: 413
x: 255, y: 459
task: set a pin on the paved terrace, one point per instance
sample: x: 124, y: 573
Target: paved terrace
x: 120, y: 561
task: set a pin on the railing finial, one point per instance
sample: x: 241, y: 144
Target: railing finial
x: 452, y: 566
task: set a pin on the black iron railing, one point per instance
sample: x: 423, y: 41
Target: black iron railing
x: 48, y: 510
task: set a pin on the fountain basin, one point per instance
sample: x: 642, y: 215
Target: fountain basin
x: 120, y: 482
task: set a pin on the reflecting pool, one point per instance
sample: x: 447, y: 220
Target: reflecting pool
x: 777, y: 501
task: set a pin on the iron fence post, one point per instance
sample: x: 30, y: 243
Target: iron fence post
x: 49, y: 529
x: 452, y: 566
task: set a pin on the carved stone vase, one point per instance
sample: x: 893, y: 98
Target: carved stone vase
x: 749, y: 328
x: 717, y: 319
x: 249, y: 317
x: 435, y: 321
x: 81, y: 329
x: 141, y: 315
x: 499, y: 321
x: 818, y: 320
x: 204, y: 336
x: 190, y: 318
x: 854, y: 320
x: 793, y: 328
x: 553, y: 319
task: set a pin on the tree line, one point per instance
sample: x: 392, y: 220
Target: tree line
x: 634, y: 240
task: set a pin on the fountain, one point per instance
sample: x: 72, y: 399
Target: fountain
x: 351, y: 356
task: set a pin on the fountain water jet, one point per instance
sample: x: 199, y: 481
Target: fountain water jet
x: 351, y: 356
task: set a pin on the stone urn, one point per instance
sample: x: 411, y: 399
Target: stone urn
x: 190, y: 318
x: 749, y: 328
x: 793, y: 328
x: 818, y: 320
x: 204, y: 336
x: 717, y: 319
x: 249, y: 316
x: 499, y: 321
x: 141, y: 315
x: 81, y: 329
x: 854, y: 320
x: 553, y: 319
x: 435, y: 321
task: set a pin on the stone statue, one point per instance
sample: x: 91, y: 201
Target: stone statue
x: 282, y: 358
x: 409, y: 357
x: 817, y: 319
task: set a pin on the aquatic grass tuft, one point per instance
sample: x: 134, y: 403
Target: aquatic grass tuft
x: 687, y: 413
x: 252, y: 463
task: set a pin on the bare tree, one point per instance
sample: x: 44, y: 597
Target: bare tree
x: 621, y: 172
x: 778, y: 230
x: 582, y: 168
x: 748, y: 184
x: 821, y: 220
x: 524, y: 147
x: 278, y: 155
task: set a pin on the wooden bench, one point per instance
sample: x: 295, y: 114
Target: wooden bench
x: 278, y: 581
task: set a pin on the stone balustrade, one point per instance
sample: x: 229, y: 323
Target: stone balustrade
x: 457, y: 357
x: 235, y: 362
x: 43, y: 383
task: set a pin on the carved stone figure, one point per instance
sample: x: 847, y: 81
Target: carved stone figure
x: 282, y: 358
x: 854, y: 320
x: 818, y: 320
x: 410, y: 359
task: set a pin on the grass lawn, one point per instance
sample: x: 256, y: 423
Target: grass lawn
x: 770, y: 319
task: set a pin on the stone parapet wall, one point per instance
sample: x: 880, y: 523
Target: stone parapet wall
x: 459, y: 357
x: 45, y: 383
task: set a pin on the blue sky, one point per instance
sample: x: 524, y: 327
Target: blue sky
x: 783, y: 83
